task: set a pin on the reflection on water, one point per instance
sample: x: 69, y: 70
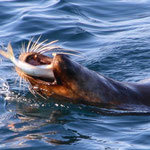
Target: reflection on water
x: 56, y: 124
x: 33, y: 120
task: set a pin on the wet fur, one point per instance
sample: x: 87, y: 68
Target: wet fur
x: 77, y: 83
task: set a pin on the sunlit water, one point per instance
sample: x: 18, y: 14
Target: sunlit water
x: 114, y: 38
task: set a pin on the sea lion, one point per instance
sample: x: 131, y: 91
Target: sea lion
x: 81, y: 85
x: 76, y: 83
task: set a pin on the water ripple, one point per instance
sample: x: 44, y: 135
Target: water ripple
x: 114, y: 39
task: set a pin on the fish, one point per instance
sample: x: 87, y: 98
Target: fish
x: 36, y: 71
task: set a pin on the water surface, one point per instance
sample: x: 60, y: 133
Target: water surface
x: 114, y: 37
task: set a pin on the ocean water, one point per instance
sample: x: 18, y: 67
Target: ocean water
x: 114, y: 39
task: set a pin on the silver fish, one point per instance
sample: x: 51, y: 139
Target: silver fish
x: 36, y: 71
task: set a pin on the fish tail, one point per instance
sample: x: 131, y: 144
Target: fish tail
x: 5, y: 54
x: 10, y: 51
x: 9, y: 54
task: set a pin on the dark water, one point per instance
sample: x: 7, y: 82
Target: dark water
x: 114, y: 37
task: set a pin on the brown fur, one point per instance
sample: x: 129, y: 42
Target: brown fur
x: 77, y: 83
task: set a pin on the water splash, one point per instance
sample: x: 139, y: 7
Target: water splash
x: 4, y: 87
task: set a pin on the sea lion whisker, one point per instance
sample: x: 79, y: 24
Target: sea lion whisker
x: 35, y: 43
x: 48, y: 48
x: 32, y: 91
x: 48, y: 45
x: 40, y: 95
x: 22, y: 82
x: 23, y: 47
x: 38, y: 45
x: 29, y: 43
x: 30, y: 88
x: 52, y: 42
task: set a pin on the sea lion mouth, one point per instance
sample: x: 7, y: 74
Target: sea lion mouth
x: 36, y: 59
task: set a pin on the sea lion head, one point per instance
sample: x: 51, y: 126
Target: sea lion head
x: 66, y: 72
x: 70, y: 81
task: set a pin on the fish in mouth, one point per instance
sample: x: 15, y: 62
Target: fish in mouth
x: 58, y: 76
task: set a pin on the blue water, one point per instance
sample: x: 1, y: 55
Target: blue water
x: 114, y: 39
